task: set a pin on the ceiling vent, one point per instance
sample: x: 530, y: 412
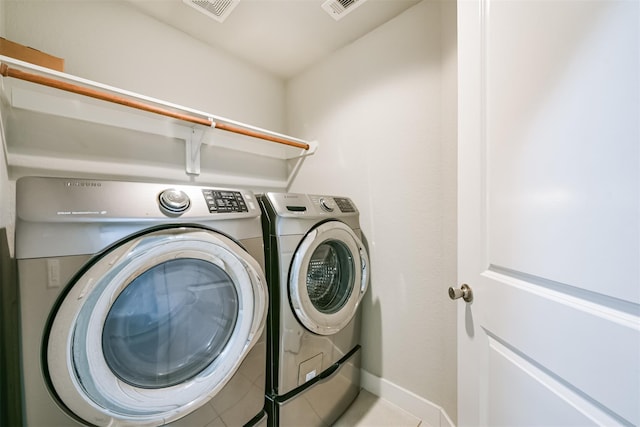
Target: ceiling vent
x: 216, y: 9
x: 338, y: 9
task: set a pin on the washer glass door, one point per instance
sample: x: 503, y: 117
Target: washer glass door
x: 328, y: 277
x: 154, y: 327
x: 170, y: 323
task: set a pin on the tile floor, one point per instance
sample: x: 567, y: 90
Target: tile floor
x: 369, y: 410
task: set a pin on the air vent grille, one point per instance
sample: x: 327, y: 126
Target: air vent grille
x: 216, y: 9
x: 346, y: 3
x: 338, y: 9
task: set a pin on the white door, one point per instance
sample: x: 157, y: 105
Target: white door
x: 549, y: 202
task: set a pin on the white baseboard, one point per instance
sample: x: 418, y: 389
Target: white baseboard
x: 431, y: 414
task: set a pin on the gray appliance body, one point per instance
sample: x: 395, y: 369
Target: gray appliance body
x: 120, y: 284
x: 317, y: 270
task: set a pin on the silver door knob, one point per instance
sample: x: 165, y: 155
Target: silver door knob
x: 464, y: 292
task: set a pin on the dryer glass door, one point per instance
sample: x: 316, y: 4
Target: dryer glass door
x: 154, y: 327
x: 328, y: 277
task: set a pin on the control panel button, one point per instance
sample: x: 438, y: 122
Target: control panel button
x: 173, y: 201
x: 344, y: 204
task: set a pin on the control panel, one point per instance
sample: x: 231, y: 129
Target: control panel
x: 344, y: 204
x: 329, y: 204
x: 224, y: 201
x: 311, y: 205
x: 299, y: 204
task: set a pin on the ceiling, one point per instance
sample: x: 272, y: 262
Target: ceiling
x: 283, y: 37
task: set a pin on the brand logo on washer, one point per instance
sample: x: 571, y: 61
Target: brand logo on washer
x: 84, y: 184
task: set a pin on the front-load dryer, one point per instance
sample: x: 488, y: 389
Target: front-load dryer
x: 317, y: 269
x: 141, y: 304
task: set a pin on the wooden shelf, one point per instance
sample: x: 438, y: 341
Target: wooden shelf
x: 54, y: 131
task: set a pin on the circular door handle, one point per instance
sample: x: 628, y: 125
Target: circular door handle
x: 464, y: 292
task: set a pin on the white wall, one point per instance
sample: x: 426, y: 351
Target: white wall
x: 113, y: 43
x: 6, y: 188
x: 6, y: 197
x: 2, y: 19
x: 383, y: 111
x: 4, y: 213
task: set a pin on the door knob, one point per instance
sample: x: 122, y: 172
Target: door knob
x: 464, y: 292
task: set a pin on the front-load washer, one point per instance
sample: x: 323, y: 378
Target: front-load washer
x: 317, y: 269
x: 141, y: 304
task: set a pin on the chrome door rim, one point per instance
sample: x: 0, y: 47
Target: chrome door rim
x: 313, y: 319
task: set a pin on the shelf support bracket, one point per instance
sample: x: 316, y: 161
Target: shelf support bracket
x: 193, y: 145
